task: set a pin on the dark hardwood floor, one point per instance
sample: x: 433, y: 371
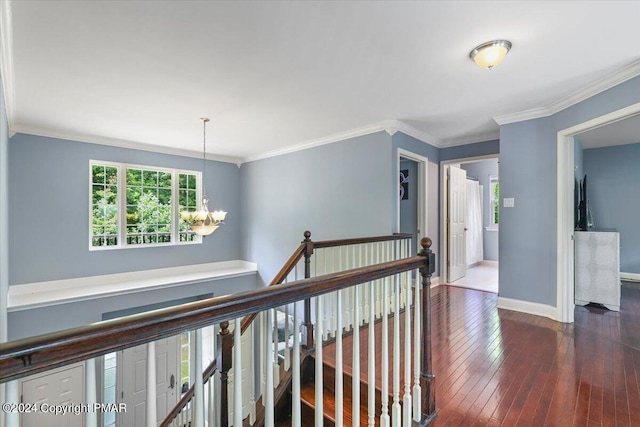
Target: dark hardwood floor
x: 503, y: 368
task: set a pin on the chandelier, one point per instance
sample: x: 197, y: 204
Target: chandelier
x: 203, y: 222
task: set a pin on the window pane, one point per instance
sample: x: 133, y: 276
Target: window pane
x: 150, y: 178
x: 133, y: 195
x: 111, y: 175
x: 192, y: 182
x: 98, y: 175
x: 104, y: 206
x: 164, y: 180
x: 164, y: 196
x: 134, y: 177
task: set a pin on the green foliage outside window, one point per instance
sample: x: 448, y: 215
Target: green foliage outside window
x: 496, y: 202
x: 149, y: 208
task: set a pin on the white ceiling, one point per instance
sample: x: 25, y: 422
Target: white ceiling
x: 276, y: 75
x: 622, y: 132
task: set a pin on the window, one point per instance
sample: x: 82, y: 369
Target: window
x: 134, y: 206
x: 494, y: 202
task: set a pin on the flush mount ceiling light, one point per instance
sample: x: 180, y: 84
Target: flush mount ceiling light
x: 490, y: 54
x: 203, y: 222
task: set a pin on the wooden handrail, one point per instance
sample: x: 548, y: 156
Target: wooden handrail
x: 306, y: 247
x: 278, y: 279
x: 32, y: 355
x: 360, y: 240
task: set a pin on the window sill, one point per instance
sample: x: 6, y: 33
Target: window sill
x: 43, y: 294
x: 492, y: 228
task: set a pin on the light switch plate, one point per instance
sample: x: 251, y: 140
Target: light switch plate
x: 509, y: 202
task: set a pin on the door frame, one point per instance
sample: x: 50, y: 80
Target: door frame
x: 444, y: 209
x: 565, y: 207
x: 423, y: 193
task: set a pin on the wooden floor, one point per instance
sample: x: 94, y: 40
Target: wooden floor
x: 503, y: 368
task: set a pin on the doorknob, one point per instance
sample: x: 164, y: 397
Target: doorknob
x: 172, y: 381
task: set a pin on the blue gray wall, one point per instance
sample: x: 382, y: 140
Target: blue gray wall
x: 614, y: 197
x: 470, y: 150
x: 49, y: 199
x: 338, y: 190
x: 528, y: 159
x: 482, y: 170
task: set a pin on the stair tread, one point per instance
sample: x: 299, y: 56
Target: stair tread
x: 308, y: 394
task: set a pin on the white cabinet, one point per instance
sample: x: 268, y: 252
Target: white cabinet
x: 597, y: 271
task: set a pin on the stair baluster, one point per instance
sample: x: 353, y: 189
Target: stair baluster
x: 371, y: 374
x: 355, y: 384
x: 319, y: 414
x: 417, y: 391
x: 339, y: 372
x: 268, y: 368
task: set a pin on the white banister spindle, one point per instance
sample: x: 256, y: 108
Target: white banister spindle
x: 198, y: 390
x: 237, y: 374
x: 211, y: 401
x: 268, y: 368
x: 406, y: 402
x: 151, y: 385
x: 252, y: 379
x: 378, y: 290
x: 355, y: 384
x: 91, y: 417
x: 276, y: 354
x: 296, y: 410
x: 319, y: 373
x: 417, y: 324
x: 396, y: 417
x: 371, y: 373
x: 339, y: 377
x: 366, y: 289
x: 263, y: 353
x: 12, y: 393
x: 287, y: 332
x: 384, y: 417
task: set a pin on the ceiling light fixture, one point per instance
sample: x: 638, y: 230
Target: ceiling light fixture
x: 490, y: 54
x: 203, y: 222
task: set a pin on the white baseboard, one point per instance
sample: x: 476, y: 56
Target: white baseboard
x: 435, y: 281
x: 528, y: 307
x: 634, y: 277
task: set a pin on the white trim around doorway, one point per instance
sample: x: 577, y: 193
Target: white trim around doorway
x: 423, y: 200
x: 444, y: 165
x: 565, y: 210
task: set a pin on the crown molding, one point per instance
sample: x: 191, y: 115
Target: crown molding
x: 389, y: 126
x: 626, y: 73
x: 112, y: 142
x: 470, y: 139
x: 6, y: 60
x: 415, y: 133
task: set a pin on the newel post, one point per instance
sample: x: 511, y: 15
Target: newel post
x: 307, y: 325
x: 224, y: 358
x: 427, y: 379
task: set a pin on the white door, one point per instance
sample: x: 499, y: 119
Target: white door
x: 133, y: 382
x: 457, y: 211
x: 62, y: 386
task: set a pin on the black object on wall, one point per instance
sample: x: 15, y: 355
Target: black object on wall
x: 582, y: 205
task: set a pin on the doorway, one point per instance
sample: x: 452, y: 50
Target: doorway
x: 470, y: 222
x: 566, y: 210
x: 411, y: 201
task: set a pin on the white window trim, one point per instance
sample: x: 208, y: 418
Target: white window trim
x: 492, y: 202
x: 122, y: 205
